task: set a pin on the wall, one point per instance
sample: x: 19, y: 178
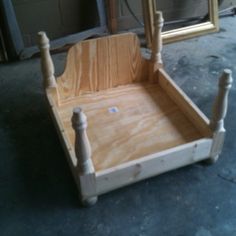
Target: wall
x: 227, y: 3
x: 172, y: 9
x: 62, y: 17
x: 57, y: 17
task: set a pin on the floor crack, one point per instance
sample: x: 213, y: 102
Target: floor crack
x: 228, y: 179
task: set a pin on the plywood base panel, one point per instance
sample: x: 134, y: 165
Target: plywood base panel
x: 129, y: 122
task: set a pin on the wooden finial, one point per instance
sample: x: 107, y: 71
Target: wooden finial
x: 46, y: 61
x: 82, y: 145
x: 221, y: 102
x: 83, y: 154
x: 157, y: 39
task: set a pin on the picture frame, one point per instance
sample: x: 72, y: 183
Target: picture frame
x: 150, y: 6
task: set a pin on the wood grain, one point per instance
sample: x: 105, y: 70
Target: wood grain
x: 152, y: 165
x: 221, y: 103
x: 157, y: 40
x: 137, y: 127
x: 100, y: 64
x: 219, y: 113
x: 147, y: 121
x: 191, y: 111
x: 46, y: 61
x: 82, y: 145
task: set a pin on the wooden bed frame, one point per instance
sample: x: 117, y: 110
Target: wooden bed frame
x: 121, y: 118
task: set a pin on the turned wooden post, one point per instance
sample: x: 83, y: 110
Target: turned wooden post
x: 155, y: 61
x: 83, y: 153
x: 82, y: 145
x: 46, y: 61
x: 219, y: 113
x: 157, y: 39
x: 221, y: 103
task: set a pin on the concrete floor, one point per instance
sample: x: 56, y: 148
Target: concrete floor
x: 37, y: 192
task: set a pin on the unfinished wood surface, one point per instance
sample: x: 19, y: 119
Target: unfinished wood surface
x: 129, y: 122
x: 64, y: 138
x: 219, y: 113
x: 46, y: 61
x: 152, y: 165
x: 191, y: 111
x: 155, y: 62
x: 136, y: 128
x: 84, y: 175
x: 157, y: 40
x: 82, y: 145
x: 100, y: 64
x: 221, y: 103
x: 218, y: 142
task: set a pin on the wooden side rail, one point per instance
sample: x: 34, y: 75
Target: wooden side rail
x: 152, y: 165
x: 193, y: 113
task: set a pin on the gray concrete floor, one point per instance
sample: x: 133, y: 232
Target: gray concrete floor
x: 37, y: 192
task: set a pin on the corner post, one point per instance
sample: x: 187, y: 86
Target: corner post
x: 221, y: 102
x: 83, y: 154
x: 156, y: 57
x: 47, y: 66
x: 157, y: 39
x: 219, y: 114
x: 147, y: 7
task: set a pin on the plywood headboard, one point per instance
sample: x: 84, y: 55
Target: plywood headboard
x: 100, y: 64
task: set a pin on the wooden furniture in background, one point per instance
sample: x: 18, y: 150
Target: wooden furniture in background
x: 111, y: 16
x: 121, y: 118
x: 149, y: 7
x: 124, y: 15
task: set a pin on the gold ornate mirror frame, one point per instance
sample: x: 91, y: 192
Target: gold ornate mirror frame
x: 149, y: 7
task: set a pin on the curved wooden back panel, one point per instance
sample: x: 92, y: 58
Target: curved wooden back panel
x: 100, y: 64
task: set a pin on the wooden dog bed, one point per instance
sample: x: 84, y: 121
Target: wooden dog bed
x: 121, y: 118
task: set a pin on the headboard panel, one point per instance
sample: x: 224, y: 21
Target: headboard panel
x: 103, y: 63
